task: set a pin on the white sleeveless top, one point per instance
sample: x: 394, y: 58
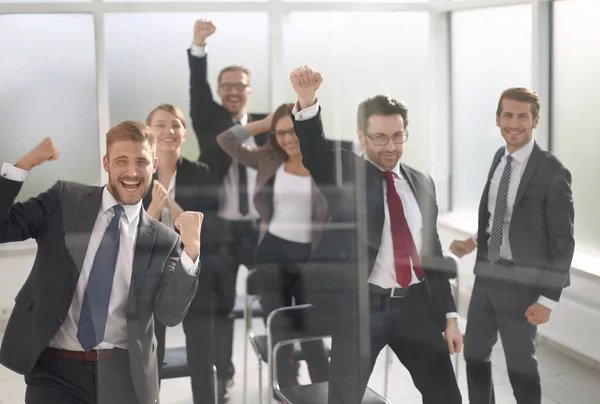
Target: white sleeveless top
x: 292, y: 207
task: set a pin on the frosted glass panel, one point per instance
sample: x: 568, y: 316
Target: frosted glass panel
x: 388, y: 54
x: 147, y: 60
x: 487, y: 58
x: 575, y: 105
x: 48, y: 88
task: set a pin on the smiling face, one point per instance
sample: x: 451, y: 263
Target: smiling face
x: 169, y: 131
x: 286, y: 138
x: 234, y: 89
x: 130, y: 161
x: 516, y: 122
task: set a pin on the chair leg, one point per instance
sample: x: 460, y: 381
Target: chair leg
x: 247, y: 324
x: 215, y: 385
x: 260, y: 382
x: 386, y: 376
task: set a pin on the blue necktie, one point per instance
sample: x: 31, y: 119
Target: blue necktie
x: 499, y: 212
x: 94, y: 311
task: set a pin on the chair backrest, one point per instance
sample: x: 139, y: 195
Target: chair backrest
x: 252, y: 282
x: 287, y: 325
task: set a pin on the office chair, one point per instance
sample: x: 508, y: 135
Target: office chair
x: 282, y: 332
x: 176, y: 366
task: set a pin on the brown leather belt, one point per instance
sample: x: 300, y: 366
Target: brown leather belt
x: 90, y: 356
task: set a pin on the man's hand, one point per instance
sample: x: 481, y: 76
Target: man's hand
x: 538, y: 314
x: 460, y: 248
x: 203, y: 29
x: 45, y: 151
x: 189, y: 225
x: 306, y: 81
x: 453, y: 336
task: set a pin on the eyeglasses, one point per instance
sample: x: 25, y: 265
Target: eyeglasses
x: 380, y: 139
x: 282, y: 133
x: 230, y: 86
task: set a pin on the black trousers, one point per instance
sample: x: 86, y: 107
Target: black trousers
x: 242, y: 238
x: 279, y: 267
x: 65, y: 381
x: 198, y: 326
x: 498, y: 306
x: 408, y: 326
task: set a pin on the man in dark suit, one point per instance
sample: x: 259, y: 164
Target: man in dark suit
x: 526, y: 245
x: 82, y: 329
x: 410, y: 299
x: 240, y: 227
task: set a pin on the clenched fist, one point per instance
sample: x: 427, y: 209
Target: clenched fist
x: 189, y: 225
x: 45, y: 151
x: 202, y: 30
x: 306, y: 81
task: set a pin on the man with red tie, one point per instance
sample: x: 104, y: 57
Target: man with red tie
x: 410, y: 303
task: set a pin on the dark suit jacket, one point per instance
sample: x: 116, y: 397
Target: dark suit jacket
x: 61, y: 220
x: 266, y: 160
x: 541, y: 226
x: 196, y: 190
x: 342, y: 240
x: 209, y: 119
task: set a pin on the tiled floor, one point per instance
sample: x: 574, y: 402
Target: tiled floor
x: 565, y: 381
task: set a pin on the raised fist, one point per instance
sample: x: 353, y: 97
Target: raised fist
x: 45, y: 151
x: 160, y: 195
x: 189, y: 225
x: 306, y: 81
x: 203, y: 29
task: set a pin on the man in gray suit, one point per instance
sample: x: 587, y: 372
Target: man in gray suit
x: 526, y: 246
x: 82, y: 329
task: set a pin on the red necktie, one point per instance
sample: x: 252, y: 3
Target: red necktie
x: 404, y: 245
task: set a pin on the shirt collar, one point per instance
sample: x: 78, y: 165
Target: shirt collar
x: 523, y: 153
x: 108, y: 201
x: 243, y: 120
x: 395, y: 170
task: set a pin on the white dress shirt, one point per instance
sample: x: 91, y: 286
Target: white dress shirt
x: 165, y: 213
x: 384, y: 269
x: 517, y: 168
x: 116, y: 324
x: 229, y: 206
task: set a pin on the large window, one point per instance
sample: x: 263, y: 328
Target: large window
x: 491, y: 51
x: 388, y: 54
x: 575, y: 105
x: 48, y: 89
x: 147, y: 60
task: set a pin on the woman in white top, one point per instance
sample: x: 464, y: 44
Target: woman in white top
x: 179, y: 185
x: 293, y: 213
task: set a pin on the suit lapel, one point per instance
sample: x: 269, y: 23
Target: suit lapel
x: 89, y: 206
x: 532, y: 164
x: 143, y: 250
x: 375, y: 204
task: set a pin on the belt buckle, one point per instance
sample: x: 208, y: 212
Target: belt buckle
x: 393, y: 291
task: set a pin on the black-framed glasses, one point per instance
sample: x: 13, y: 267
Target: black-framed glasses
x: 282, y: 133
x: 380, y: 139
x: 233, y: 86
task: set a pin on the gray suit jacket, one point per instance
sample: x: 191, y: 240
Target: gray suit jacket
x: 541, y: 227
x: 61, y: 220
x: 266, y: 160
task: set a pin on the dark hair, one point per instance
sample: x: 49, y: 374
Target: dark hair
x: 235, y: 68
x: 381, y: 104
x: 168, y: 108
x: 282, y: 111
x: 520, y: 94
x: 130, y: 130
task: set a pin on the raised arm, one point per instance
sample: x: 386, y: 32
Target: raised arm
x: 232, y: 141
x: 318, y: 155
x: 21, y: 221
x: 204, y: 110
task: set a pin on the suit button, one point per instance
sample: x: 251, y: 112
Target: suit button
x: 61, y: 320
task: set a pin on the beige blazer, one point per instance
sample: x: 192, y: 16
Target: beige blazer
x: 266, y: 160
